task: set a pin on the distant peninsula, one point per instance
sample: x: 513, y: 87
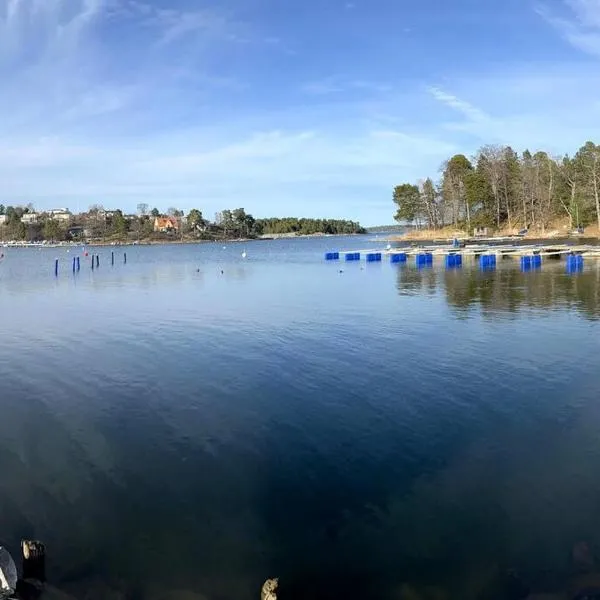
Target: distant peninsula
x: 98, y: 225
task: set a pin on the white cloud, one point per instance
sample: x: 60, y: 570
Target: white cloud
x: 462, y: 106
x: 579, y: 24
x: 276, y: 172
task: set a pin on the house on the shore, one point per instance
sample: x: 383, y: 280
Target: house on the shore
x: 106, y: 214
x: 60, y: 214
x: 166, y: 225
x: 30, y: 218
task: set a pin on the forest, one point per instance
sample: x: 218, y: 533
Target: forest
x: 501, y: 189
x: 308, y: 226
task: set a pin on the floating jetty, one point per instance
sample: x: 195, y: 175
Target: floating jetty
x: 475, y: 250
x: 530, y: 256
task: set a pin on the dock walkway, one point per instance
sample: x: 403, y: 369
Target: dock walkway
x: 476, y: 250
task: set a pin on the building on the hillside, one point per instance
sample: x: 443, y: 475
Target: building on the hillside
x: 60, y: 214
x: 78, y: 232
x: 30, y: 218
x: 3, y: 219
x: 166, y: 225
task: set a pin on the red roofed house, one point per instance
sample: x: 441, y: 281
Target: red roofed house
x: 166, y: 224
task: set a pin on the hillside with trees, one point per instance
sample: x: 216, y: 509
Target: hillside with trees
x: 101, y: 225
x: 501, y: 189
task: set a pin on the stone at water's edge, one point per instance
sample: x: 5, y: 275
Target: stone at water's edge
x: 269, y: 590
x: 8, y: 573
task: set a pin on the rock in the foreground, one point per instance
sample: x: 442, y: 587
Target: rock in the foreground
x: 269, y: 590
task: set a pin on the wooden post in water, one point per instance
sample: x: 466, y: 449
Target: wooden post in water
x: 56, y: 268
x: 34, y: 561
x: 97, y: 260
x: 125, y: 258
x: 74, y: 264
x: 92, y: 262
x: 112, y: 258
x: 78, y: 264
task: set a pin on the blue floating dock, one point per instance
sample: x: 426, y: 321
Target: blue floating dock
x: 487, y: 261
x: 332, y: 256
x: 531, y: 262
x: 453, y: 261
x: 401, y: 257
x: 424, y: 258
x: 352, y: 256
x: 525, y: 263
x: 574, y: 263
x: 374, y: 257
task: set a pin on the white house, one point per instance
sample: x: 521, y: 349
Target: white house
x: 29, y: 218
x: 60, y: 214
x: 2, y: 219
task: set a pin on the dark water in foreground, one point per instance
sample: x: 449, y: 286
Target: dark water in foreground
x: 175, y: 433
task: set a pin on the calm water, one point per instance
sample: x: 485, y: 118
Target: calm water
x: 174, y: 431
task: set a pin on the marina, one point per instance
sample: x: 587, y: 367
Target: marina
x: 535, y: 253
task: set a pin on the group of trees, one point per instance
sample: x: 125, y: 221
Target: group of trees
x: 98, y: 223
x: 500, y: 188
x: 236, y: 223
x: 308, y: 226
x: 14, y: 228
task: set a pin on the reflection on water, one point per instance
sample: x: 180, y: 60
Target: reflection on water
x: 508, y: 290
x: 190, y: 424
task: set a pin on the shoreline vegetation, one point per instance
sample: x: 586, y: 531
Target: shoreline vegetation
x: 24, y: 226
x: 558, y: 230
x: 499, y: 192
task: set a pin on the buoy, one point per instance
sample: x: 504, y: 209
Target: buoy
x: 389, y: 247
x: 244, y: 254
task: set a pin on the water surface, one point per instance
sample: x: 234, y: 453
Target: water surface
x: 193, y: 422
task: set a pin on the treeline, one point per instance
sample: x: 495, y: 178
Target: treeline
x: 500, y: 188
x: 242, y: 224
x: 308, y: 226
x: 100, y: 224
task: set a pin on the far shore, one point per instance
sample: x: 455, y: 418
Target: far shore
x: 163, y: 242
x: 448, y: 234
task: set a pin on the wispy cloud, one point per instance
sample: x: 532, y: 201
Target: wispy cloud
x: 462, y: 106
x: 322, y: 88
x: 44, y: 28
x: 578, y: 22
x: 339, y: 84
x: 174, y: 24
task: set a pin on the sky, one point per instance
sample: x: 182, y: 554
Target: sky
x: 312, y: 108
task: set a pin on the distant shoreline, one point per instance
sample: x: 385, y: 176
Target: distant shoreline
x: 115, y: 244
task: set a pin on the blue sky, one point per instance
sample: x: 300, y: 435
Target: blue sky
x: 284, y: 107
